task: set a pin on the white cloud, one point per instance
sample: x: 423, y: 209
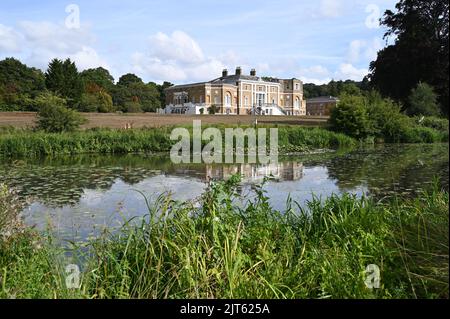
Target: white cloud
x: 316, y: 74
x: 360, y: 49
x: 40, y: 42
x: 9, y: 40
x: 178, y: 46
x: 347, y: 71
x: 179, y: 58
x: 330, y: 8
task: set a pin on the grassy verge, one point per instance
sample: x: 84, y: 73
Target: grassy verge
x: 22, y: 143
x: 213, y: 248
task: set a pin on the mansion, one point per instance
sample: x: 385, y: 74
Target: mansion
x: 237, y: 94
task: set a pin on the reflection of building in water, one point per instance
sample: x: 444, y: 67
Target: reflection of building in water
x: 285, y: 171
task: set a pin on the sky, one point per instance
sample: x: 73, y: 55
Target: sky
x: 194, y: 40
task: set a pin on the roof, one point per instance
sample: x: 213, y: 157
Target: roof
x: 231, y: 80
x: 322, y: 99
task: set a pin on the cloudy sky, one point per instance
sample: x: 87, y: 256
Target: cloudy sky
x: 193, y: 40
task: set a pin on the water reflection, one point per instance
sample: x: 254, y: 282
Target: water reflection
x: 77, y: 195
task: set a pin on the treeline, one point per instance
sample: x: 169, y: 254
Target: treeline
x: 334, y: 88
x: 24, y: 88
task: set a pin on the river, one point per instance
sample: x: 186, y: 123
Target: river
x: 77, y: 196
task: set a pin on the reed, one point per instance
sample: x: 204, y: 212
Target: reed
x: 215, y: 248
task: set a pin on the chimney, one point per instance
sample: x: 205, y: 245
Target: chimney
x: 238, y: 70
x: 253, y: 72
x: 224, y: 73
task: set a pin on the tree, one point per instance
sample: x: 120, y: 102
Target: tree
x: 54, y: 116
x: 423, y: 101
x: 162, y: 92
x: 99, y: 76
x: 351, y: 117
x: 131, y: 94
x: 128, y: 79
x: 99, y: 101
x: 420, y: 52
x: 18, y: 85
x: 62, y: 78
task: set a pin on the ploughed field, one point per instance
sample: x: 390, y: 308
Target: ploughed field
x: 112, y: 120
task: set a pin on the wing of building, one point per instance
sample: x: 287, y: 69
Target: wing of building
x: 238, y: 94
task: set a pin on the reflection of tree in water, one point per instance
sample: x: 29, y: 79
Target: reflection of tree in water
x: 62, y: 181
x: 58, y: 182
x: 391, y: 169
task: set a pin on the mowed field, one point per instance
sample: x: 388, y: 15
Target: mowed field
x: 28, y: 119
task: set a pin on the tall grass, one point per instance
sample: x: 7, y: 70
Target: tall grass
x: 217, y: 248
x: 106, y: 141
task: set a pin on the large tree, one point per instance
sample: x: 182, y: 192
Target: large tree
x: 19, y: 84
x: 132, y: 94
x: 64, y: 79
x: 419, y: 52
x: 100, y: 77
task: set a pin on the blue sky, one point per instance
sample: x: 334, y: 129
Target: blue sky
x: 193, y: 40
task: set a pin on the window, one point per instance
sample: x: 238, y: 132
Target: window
x: 297, y: 102
x: 297, y: 87
x: 260, y: 99
x: 228, y: 99
x: 246, y: 100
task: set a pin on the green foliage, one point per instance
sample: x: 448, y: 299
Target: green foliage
x: 420, y: 51
x: 216, y: 248
x: 103, y: 141
x: 436, y: 123
x: 19, y: 84
x: 132, y: 107
x: 133, y: 95
x: 423, y: 101
x: 62, y: 78
x: 96, y: 102
x: 100, y: 77
x: 213, y: 109
x: 334, y: 88
x: 55, y: 117
x: 351, y: 117
x: 372, y: 116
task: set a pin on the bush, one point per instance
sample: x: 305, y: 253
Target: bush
x: 350, y: 117
x: 423, y: 101
x: 387, y: 120
x: 133, y: 107
x: 96, y: 102
x: 433, y: 122
x: 55, y: 117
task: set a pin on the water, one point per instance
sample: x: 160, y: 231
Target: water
x: 77, y: 197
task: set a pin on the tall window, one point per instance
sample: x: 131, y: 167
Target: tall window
x: 297, y: 102
x: 260, y: 99
x: 228, y: 99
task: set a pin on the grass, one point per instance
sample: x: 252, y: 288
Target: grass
x: 23, y: 143
x: 214, y: 248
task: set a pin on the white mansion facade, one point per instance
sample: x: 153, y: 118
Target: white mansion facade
x: 238, y: 94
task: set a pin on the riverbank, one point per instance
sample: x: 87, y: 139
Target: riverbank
x: 25, y: 143
x: 212, y: 249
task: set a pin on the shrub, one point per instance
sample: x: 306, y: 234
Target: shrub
x: 350, y: 117
x: 423, y: 101
x: 433, y: 122
x: 133, y: 107
x: 55, y: 117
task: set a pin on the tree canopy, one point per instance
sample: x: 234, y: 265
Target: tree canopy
x: 420, y: 52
